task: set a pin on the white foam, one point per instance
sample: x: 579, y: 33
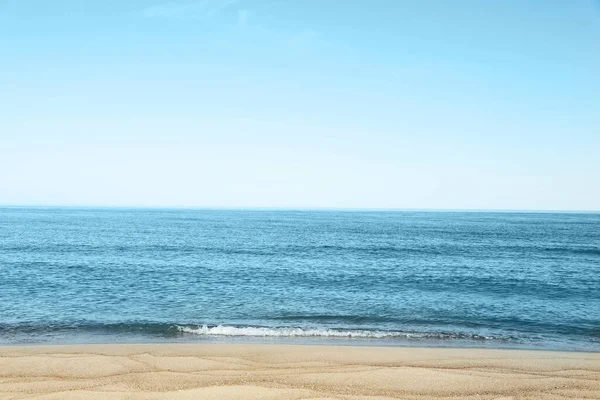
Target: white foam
x: 223, y: 330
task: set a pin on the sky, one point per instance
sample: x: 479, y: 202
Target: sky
x: 427, y: 104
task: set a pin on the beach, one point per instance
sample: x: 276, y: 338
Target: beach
x: 273, y: 371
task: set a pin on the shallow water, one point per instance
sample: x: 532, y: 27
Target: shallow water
x: 490, y: 279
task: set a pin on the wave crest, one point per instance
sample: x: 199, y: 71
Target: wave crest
x: 259, y: 331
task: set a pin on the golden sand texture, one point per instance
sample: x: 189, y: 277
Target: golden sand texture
x: 246, y: 371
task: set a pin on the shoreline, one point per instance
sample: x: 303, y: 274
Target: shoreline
x: 307, y: 341
x: 292, y: 371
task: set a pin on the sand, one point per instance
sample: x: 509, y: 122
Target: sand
x: 246, y: 371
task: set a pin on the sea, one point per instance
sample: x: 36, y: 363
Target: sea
x: 385, y: 278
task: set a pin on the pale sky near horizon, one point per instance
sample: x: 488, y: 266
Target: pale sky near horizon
x: 359, y: 104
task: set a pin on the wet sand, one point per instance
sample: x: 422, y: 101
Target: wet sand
x: 248, y: 371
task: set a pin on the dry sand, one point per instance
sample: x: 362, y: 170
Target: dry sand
x: 244, y: 371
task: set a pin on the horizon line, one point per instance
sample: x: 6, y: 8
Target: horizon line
x: 299, y: 208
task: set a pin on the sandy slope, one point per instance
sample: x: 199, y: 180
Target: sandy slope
x: 235, y: 371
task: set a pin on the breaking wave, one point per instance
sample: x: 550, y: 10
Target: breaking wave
x: 291, y: 332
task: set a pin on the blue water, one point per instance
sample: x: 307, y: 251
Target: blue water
x: 493, y: 279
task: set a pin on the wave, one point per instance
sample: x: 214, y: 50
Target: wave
x: 296, y: 332
x: 166, y: 330
x: 491, y: 331
x: 96, y: 332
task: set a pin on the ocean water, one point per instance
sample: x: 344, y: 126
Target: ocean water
x: 485, y: 279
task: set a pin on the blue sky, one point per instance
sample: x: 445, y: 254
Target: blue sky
x: 345, y: 104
